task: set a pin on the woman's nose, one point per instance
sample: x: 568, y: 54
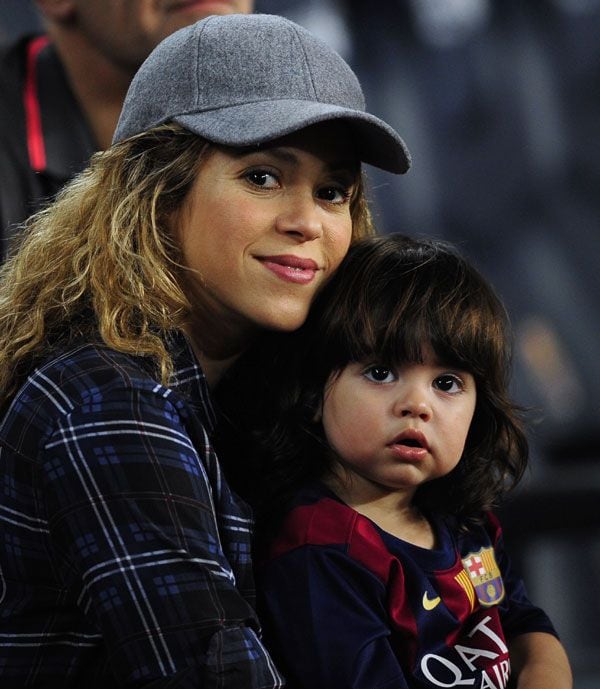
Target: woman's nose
x: 301, y: 218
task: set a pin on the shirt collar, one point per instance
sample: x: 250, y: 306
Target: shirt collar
x: 189, y: 378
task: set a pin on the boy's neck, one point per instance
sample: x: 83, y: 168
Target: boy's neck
x: 393, y: 511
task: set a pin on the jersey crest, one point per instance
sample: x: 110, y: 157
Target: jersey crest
x: 484, y: 575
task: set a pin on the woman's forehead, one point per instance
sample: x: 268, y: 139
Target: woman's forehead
x: 330, y: 141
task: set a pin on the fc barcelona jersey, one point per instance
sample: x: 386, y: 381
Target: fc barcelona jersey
x: 347, y: 605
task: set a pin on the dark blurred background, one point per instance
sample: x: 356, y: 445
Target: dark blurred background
x: 499, y: 102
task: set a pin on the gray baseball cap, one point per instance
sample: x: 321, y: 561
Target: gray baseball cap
x: 243, y: 80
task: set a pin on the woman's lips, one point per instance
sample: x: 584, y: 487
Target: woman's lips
x: 291, y: 268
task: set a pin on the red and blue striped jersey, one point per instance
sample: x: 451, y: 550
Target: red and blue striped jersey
x: 347, y: 605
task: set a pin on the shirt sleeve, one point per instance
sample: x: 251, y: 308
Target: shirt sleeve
x: 326, y: 621
x: 518, y: 614
x: 136, y: 542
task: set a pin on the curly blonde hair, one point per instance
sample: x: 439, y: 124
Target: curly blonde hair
x: 101, y: 260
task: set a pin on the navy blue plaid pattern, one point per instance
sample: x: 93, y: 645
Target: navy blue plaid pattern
x: 124, y: 557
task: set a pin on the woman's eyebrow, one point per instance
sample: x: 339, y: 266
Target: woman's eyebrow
x: 283, y: 154
x: 286, y: 155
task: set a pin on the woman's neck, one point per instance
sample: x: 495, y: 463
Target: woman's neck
x: 217, y: 346
x: 213, y: 368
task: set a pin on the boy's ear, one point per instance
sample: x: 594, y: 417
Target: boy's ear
x: 317, y: 418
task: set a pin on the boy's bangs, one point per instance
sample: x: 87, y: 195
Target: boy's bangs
x: 389, y: 301
x: 410, y: 328
x: 449, y: 313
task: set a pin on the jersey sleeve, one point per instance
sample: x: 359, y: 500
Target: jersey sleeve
x: 326, y: 621
x: 518, y: 614
x: 136, y: 537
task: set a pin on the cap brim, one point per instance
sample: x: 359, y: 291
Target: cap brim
x: 252, y: 124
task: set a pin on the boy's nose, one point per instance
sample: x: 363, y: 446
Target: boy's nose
x: 414, y: 404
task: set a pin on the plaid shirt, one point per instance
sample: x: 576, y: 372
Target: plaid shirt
x: 124, y: 556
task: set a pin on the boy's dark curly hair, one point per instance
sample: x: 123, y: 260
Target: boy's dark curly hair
x: 390, y: 296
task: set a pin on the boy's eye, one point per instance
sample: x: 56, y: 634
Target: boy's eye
x: 262, y: 178
x: 379, y: 374
x: 448, y: 383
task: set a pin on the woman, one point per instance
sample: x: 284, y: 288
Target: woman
x: 230, y: 194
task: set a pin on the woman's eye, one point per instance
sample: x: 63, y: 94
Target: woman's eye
x: 379, y: 374
x: 448, y: 383
x: 262, y: 178
x: 335, y: 194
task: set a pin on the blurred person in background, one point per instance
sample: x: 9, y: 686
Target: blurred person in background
x: 62, y: 91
